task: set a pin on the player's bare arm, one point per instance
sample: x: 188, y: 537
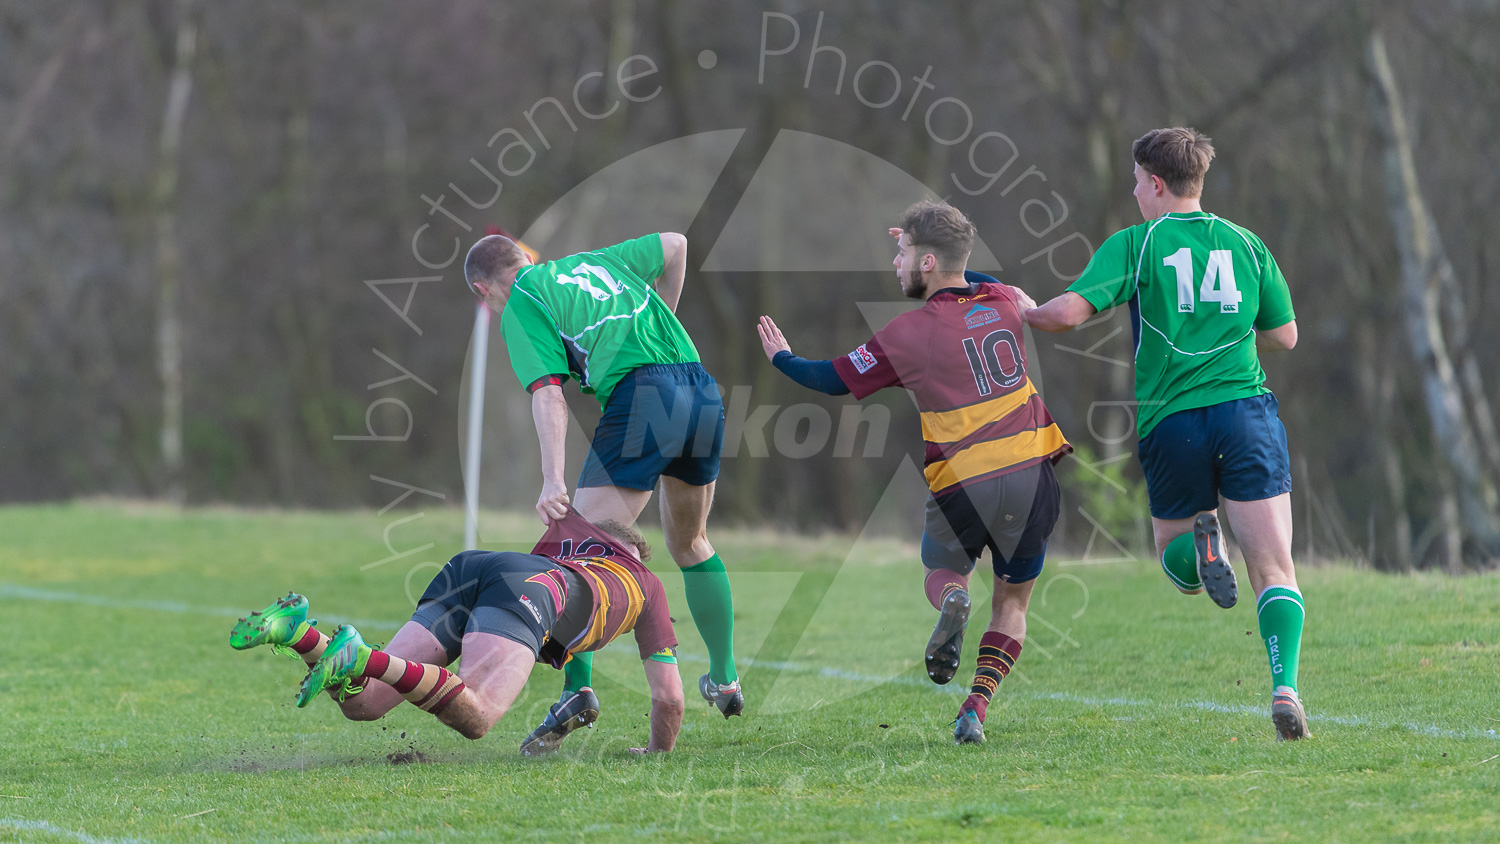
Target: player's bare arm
x: 1024, y: 302
x: 674, y: 255
x: 1063, y: 313
x: 549, y: 410
x: 1280, y: 339
x: 666, y: 706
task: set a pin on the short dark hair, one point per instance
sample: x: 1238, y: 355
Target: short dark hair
x: 629, y: 535
x: 1179, y: 156
x: 940, y: 228
x: 489, y: 257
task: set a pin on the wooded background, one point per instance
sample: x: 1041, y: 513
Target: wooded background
x: 195, y: 194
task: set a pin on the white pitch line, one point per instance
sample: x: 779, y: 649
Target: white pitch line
x: 32, y: 593
x: 54, y: 829
x: 1204, y: 705
x: 11, y: 590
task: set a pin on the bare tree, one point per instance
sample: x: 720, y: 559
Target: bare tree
x: 1468, y: 502
x: 168, y: 253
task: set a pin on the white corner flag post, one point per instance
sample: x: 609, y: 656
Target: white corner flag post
x: 480, y: 348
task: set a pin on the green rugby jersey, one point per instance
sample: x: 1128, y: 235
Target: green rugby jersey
x: 595, y: 316
x: 1198, y: 287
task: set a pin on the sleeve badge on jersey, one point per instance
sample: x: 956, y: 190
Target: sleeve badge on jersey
x: 863, y: 359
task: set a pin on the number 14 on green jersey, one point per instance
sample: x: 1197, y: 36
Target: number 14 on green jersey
x: 1218, y: 280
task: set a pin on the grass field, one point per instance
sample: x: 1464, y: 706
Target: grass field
x: 1135, y: 713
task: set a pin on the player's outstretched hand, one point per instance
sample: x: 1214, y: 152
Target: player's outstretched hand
x: 770, y: 338
x: 1023, y: 301
x: 553, y: 502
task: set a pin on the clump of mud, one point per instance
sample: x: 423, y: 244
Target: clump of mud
x: 406, y: 757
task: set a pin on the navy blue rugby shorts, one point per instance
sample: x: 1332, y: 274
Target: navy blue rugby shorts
x: 661, y: 419
x: 1235, y: 448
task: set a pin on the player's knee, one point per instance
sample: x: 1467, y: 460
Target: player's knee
x: 1162, y: 541
x: 1273, y: 567
x: 681, y: 544
x: 473, y: 732
x: 1197, y: 591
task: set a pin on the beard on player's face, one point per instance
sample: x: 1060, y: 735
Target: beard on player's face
x: 912, y: 285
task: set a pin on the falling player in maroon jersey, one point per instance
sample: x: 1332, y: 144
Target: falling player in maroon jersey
x: 581, y: 587
x: 991, y: 444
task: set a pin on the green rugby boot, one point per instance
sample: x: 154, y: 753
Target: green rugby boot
x: 343, y: 662
x: 280, y: 625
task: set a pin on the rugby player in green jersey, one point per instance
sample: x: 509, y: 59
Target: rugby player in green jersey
x: 607, y: 318
x: 1204, y: 295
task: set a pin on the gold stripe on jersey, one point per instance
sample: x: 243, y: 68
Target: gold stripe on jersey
x: 595, y: 631
x: 950, y: 426
x: 635, y: 598
x: 984, y: 457
x: 598, y: 569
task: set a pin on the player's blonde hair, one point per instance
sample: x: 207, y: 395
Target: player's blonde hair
x: 629, y: 536
x: 1179, y: 156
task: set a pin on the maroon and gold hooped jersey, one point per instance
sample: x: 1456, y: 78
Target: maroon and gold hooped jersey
x: 963, y: 355
x: 626, y: 595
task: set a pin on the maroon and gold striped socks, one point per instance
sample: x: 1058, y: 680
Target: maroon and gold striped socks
x: 997, y: 655
x: 428, y: 687
x: 308, y: 643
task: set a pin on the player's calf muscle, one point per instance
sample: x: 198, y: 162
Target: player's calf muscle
x: 666, y: 721
x: 466, y: 715
x: 358, y: 708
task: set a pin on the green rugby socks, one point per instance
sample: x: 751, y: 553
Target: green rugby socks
x: 1280, y: 612
x: 578, y: 672
x: 1180, y: 562
x: 712, y: 606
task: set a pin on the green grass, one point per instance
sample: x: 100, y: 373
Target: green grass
x: 1135, y: 713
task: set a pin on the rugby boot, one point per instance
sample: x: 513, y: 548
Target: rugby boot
x: 343, y: 662
x: 968, y: 729
x: 947, y: 640
x: 1288, y: 716
x: 728, y: 697
x: 279, y: 625
x: 1214, y: 571
x: 572, y: 710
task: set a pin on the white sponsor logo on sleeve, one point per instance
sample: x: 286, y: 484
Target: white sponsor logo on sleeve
x: 862, y: 359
